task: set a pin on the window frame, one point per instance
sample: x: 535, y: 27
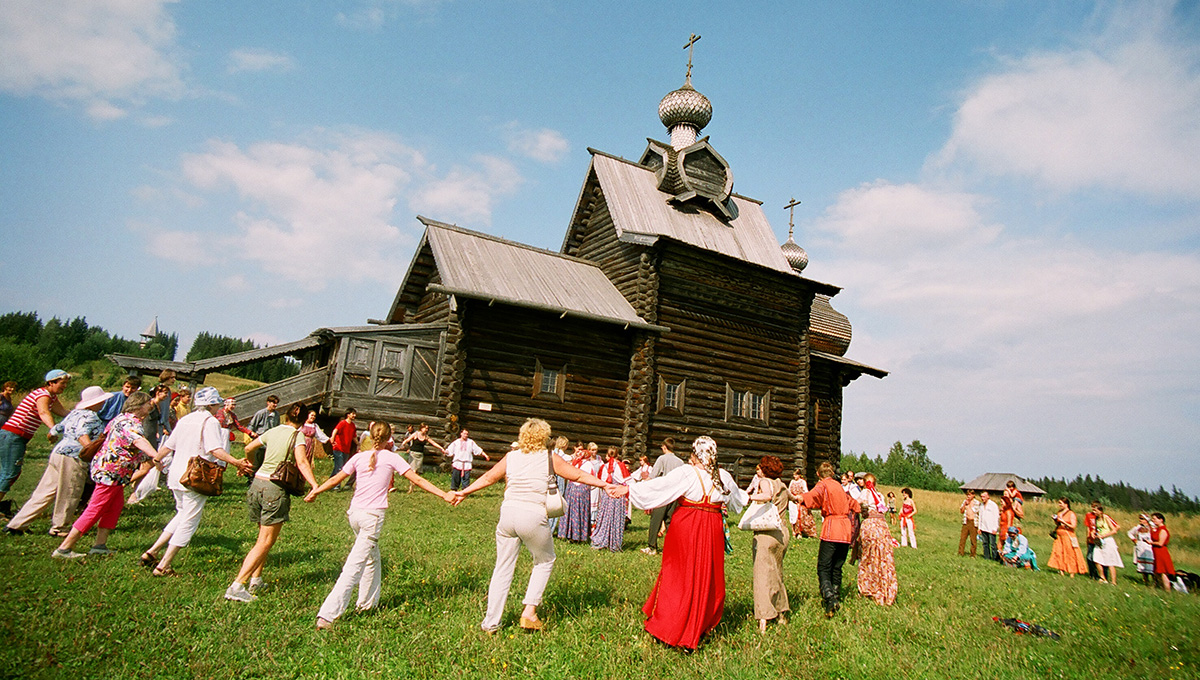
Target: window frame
x: 680, y: 397
x: 540, y: 372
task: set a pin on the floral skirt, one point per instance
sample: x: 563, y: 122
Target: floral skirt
x: 576, y: 524
x: 610, y: 524
x: 877, y: 570
x: 805, y: 525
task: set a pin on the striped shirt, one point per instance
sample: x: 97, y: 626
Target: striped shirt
x: 25, y: 421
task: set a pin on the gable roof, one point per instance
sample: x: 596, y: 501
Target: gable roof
x: 475, y: 265
x: 996, y: 481
x: 641, y: 213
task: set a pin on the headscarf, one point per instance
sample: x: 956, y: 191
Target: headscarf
x: 705, y: 449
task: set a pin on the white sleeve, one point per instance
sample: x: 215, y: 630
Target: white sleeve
x: 737, y: 498
x: 210, y: 436
x: 321, y: 436
x: 657, y: 492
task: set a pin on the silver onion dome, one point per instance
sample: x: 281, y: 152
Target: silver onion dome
x: 685, y: 105
x: 794, y: 254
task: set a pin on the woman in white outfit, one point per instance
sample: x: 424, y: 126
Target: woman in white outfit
x: 196, y: 434
x: 1107, y: 554
x: 526, y: 472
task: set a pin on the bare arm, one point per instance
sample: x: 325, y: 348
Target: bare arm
x: 304, y: 464
x: 329, y: 484
x: 239, y: 463
x: 426, y: 485
x: 43, y: 408
x: 489, y: 478
x: 144, y: 446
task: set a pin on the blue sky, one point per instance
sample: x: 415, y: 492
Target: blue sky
x: 1008, y: 191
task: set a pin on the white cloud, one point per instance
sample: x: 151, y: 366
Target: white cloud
x: 467, y: 194
x: 1118, y: 113
x: 544, y: 145
x: 321, y: 210
x: 373, y: 14
x: 95, y: 52
x: 258, y: 60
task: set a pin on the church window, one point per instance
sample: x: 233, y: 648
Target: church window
x: 746, y: 404
x: 549, y: 381
x: 671, y: 396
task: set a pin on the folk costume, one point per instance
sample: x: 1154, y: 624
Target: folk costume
x: 836, y: 534
x: 877, y: 567
x: 610, y: 515
x: 688, y: 597
x: 576, y: 525
x: 1162, y: 556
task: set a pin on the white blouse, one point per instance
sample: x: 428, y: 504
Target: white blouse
x: 690, y: 482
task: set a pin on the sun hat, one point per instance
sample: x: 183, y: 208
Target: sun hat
x: 206, y: 396
x: 56, y: 374
x: 1012, y: 530
x: 91, y: 396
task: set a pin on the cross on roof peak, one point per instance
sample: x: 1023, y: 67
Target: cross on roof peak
x: 791, y: 208
x: 690, y: 43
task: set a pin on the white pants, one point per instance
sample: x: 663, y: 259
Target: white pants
x: 61, y: 486
x: 907, y: 532
x: 362, y: 566
x: 189, y: 506
x: 519, y: 523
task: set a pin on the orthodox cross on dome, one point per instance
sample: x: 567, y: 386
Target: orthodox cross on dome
x: 791, y: 208
x: 690, y: 43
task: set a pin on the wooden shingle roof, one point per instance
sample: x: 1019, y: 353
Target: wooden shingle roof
x: 483, y: 267
x: 996, y: 481
x: 640, y: 211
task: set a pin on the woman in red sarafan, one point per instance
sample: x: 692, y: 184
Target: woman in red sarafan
x: 688, y: 597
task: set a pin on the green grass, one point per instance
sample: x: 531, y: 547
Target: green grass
x: 106, y: 617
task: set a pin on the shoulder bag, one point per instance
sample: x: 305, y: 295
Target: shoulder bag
x: 204, y: 476
x: 761, y: 517
x: 555, y: 505
x: 287, y: 475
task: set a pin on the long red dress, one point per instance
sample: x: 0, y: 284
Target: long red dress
x: 1162, y: 556
x: 689, y: 595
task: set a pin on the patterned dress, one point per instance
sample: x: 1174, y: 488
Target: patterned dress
x: 576, y: 524
x: 610, y: 514
x: 119, y: 458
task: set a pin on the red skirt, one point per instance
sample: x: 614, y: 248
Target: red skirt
x: 689, y: 596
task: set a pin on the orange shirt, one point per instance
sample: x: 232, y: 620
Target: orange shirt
x: 835, y: 505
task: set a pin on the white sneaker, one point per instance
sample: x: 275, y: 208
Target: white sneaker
x: 237, y: 592
x: 60, y: 554
x: 256, y: 584
x: 101, y: 550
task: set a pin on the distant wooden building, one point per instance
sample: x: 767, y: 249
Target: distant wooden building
x: 669, y: 311
x: 996, y: 482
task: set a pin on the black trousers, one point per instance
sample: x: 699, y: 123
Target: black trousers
x: 830, y: 558
x: 658, y: 517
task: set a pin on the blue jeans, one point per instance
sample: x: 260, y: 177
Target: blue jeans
x: 339, y: 461
x: 459, y: 479
x: 12, y: 457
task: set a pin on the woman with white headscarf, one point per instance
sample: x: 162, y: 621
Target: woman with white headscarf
x: 689, y: 596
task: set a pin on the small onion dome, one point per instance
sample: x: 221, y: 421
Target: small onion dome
x: 685, y: 105
x: 794, y: 254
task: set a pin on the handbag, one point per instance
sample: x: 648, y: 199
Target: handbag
x: 761, y: 517
x: 203, y: 476
x: 287, y: 475
x: 89, y: 450
x: 555, y: 505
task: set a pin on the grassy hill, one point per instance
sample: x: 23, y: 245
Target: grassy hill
x: 107, y: 617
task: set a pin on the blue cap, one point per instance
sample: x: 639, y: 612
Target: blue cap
x: 57, y: 374
x: 1012, y: 530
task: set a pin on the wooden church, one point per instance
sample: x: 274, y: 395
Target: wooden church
x: 669, y: 311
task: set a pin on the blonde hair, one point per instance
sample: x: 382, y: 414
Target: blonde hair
x: 534, y: 434
x: 380, y: 432
x: 562, y: 443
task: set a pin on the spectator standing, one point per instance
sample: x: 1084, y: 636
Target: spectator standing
x: 62, y: 482
x: 660, y: 517
x: 970, y: 513
x: 1089, y: 523
x: 908, y: 510
x: 1107, y: 555
x: 6, y: 405
x: 560, y: 450
x: 463, y: 452
x: 265, y: 418
x: 1143, y: 549
x: 1160, y: 539
x: 37, y: 408
x: 181, y: 405
x: 1065, y: 555
x: 989, y: 524
x: 345, y: 437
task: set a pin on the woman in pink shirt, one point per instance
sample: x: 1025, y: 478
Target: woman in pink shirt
x: 374, y: 469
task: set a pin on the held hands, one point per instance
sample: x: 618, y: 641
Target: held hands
x: 456, y: 497
x: 311, y: 496
x: 616, y: 490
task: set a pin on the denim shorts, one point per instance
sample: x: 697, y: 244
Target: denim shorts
x: 267, y: 502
